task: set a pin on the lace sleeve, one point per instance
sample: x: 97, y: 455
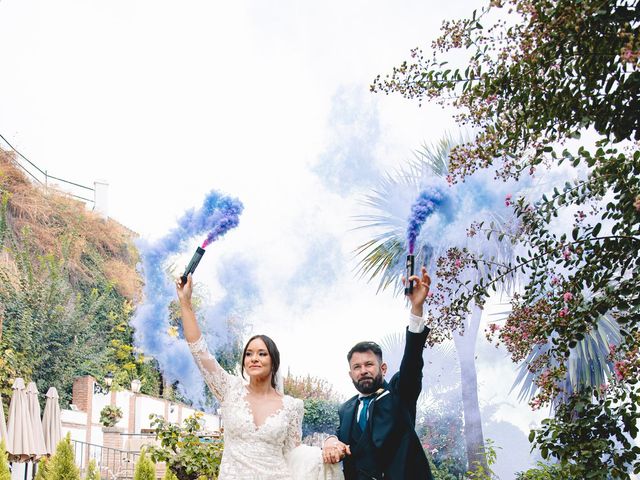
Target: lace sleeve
x: 216, y: 378
x: 294, y: 430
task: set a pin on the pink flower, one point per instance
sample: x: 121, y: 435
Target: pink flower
x: 507, y: 200
x: 566, y: 253
x: 618, y: 368
x: 567, y: 296
x: 636, y: 204
x: 564, y: 312
x: 555, y: 280
x: 458, y: 263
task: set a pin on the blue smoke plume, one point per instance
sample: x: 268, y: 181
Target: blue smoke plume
x: 217, y: 215
x: 430, y: 199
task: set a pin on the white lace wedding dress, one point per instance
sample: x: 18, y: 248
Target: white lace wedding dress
x: 271, y: 451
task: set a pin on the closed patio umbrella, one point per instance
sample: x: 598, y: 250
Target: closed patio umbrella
x: 51, y: 424
x: 39, y: 449
x: 20, y: 443
x: 3, y: 425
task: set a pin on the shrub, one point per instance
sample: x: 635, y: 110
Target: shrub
x: 145, y: 468
x: 110, y: 415
x: 43, y: 472
x: 63, y: 465
x: 5, y: 474
x: 92, y: 471
x: 187, y: 455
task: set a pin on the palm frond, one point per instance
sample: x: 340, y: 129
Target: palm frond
x: 587, y: 365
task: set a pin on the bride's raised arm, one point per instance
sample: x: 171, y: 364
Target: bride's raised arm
x: 214, y: 375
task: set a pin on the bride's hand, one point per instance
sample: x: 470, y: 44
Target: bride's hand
x: 334, y: 450
x: 184, y: 291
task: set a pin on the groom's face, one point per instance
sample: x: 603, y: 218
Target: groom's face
x: 366, y: 372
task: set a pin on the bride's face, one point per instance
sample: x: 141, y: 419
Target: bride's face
x: 257, y: 361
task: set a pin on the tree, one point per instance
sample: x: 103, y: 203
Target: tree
x: 542, y: 77
x: 63, y: 464
x: 43, y: 469
x: 145, y: 469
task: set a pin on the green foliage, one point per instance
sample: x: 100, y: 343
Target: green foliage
x: 321, y: 403
x: 169, y: 475
x: 320, y: 416
x: 184, y: 451
x: 588, y: 428
x: 43, y: 472
x: 544, y: 471
x: 482, y: 471
x: 92, y: 471
x: 63, y: 465
x: 444, y: 471
x: 110, y: 415
x: 145, y: 468
x: 5, y: 474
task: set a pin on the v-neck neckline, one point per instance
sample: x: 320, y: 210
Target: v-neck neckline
x: 267, y: 418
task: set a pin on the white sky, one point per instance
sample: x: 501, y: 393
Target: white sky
x: 264, y: 101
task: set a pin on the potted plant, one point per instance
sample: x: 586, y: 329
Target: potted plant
x: 110, y: 415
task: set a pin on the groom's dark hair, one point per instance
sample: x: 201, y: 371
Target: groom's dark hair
x: 274, y: 353
x: 362, y: 347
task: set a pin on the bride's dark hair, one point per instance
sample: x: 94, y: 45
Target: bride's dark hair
x: 274, y: 353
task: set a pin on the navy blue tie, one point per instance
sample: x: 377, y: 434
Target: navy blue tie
x: 362, y: 419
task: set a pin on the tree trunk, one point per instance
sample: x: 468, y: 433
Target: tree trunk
x: 466, y: 348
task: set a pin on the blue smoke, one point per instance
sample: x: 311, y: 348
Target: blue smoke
x: 429, y: 201
x: 217, y: 215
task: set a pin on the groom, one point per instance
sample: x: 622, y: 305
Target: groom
x: 376, y: 437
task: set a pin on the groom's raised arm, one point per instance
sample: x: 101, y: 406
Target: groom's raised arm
x: 410, y: 373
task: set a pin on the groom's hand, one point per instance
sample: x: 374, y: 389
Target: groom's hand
x: 421, y: 286
x: 334, y: 450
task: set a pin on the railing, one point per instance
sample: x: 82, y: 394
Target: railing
x: 112, y: 463
x: 43, y: 178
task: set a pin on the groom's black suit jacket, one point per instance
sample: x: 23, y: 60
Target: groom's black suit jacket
x: 389, y: 447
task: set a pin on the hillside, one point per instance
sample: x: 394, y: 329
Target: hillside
x: 68, y: 283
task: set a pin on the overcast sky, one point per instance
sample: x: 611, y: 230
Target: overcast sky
x: 265, y: 101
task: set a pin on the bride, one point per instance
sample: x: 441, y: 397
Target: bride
x: 263, y: 427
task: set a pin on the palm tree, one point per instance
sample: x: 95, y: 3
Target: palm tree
x: 587, y: 364
x: 382, y: 257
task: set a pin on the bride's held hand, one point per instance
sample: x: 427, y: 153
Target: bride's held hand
x: 334, y: 450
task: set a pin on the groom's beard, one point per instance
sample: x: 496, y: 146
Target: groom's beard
x: 368, y: 385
